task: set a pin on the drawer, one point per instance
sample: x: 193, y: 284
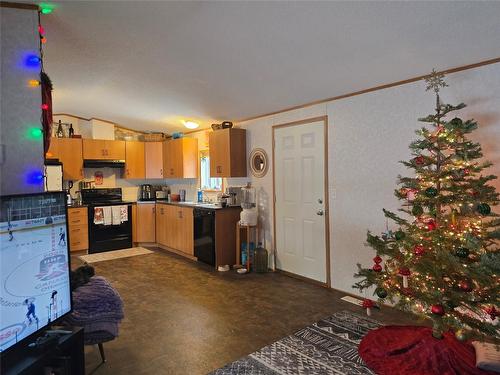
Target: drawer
x: 75, y: 230
x: 78, y: 240
x: 77, y: 221
x: 77, y: 212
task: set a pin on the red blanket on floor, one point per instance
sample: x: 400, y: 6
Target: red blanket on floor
x: 406, y: 350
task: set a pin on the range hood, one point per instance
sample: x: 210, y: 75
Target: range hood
x: 103, y: 163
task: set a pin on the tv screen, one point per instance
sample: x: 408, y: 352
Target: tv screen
x: 34, y: 264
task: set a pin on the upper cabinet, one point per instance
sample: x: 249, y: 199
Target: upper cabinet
x: 227, y: 150
x: 103, y: 149
x: 180, y: 158
x: 153, y: 152
x: 134, y: 160
x: 69, y: 152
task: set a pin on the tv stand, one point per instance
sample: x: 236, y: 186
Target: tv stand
x: 67, y: 354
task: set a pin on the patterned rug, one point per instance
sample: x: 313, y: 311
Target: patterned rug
x: 329, y: 346
x: 109, y: 255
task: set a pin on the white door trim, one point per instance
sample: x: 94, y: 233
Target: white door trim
x: 324, y: 119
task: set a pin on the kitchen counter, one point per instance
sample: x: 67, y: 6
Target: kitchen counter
x: 210, y: 206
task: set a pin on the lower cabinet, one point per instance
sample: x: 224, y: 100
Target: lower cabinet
x: 174, y: 228
x: 145, y: 231
x: 78, y: 228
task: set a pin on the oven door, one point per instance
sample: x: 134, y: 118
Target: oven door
x: 112, y: 236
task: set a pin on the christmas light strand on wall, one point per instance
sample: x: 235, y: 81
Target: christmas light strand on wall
x: 32, y: 62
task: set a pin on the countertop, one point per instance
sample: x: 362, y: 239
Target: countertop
x: 209, y: 206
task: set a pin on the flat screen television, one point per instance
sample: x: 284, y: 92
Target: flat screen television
x: 34, y: 265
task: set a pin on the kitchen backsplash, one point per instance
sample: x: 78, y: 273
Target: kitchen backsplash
x: 111, y: 177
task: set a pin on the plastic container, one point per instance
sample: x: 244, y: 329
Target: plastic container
x: 200, y: 196
x: 261, y: 258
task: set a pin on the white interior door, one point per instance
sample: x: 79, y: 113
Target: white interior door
x: 299, y: 157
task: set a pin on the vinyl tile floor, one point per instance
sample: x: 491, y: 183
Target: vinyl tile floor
x: 182, y: 317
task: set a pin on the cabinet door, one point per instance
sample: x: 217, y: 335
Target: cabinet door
x: 154, y: 159
x: 69, y: 152
x: 186, y: 231
x: 146, y: 227
x: 219, y: 153
x: 134, y: 160
x: 190, y: 158
x: 172, y: 154
x: 160, y: 224
x: 172, y: 224
x: 115, y: 150
x: 94, y: 149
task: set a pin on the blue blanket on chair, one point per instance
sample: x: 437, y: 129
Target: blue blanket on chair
x: 98, y: 308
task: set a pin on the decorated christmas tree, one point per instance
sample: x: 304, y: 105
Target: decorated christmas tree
x: 442, y: 260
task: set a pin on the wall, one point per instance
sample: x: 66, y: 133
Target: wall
x: 368, y: 135
x: 21, y: 154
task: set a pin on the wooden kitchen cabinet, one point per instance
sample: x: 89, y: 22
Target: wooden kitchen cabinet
x: 69, y: 152
x: 146, y: 228
x: 227, y: 151
x: 161, y: 224
x: 175, y: 228
x: 78, y: 235
x: 153, y: 155
x: 180, y: 158
x: 103, y: 149
x: 134, y: 160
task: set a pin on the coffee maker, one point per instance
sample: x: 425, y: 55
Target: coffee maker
x: 146, y: 193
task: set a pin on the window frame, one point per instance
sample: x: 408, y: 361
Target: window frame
x: 201, y: 154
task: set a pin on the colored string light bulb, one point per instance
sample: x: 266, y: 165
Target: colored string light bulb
x: 36, y: 133
x: 46, y: 8
x: 45, y: 107
x: 34, y: 83
x: 43, y: 39
x: 41, y: 30
x: 32, y: 61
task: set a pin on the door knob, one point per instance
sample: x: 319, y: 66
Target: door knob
x: 320, y: 201
x: 320, y: 213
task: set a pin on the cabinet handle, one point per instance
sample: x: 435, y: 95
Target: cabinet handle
x: 128, y: 173
x: 171, y: 170
x: 154, y: 210
x: 161, y: 172
x: 219, y: 169
x: 180, y: 214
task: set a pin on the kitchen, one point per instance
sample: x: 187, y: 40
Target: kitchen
x: 156, y: 183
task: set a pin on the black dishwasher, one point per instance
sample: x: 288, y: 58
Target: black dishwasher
x: 204, y: 235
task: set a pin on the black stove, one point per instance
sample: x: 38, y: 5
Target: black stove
x: 110, y: 219
x: 101, y: 196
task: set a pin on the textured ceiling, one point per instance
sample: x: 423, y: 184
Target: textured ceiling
x: 149, y: 65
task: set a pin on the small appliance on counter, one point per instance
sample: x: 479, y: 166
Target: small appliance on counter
x: 146, y: 193
x: 235, y: 195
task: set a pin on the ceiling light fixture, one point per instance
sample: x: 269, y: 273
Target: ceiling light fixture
x: 191, y: 124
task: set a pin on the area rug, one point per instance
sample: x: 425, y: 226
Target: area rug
x: 116, y: 254
x: 329, y: 346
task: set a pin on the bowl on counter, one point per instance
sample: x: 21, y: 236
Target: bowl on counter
x: 175, y: 197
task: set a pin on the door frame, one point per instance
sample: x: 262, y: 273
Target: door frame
x: 324, y: 119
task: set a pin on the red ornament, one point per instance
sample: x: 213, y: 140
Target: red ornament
x: 431, y: 224
x: 492, y: 312
x: 377, y: 267
x: 474, y: 193
x: 465, y: 286
x: 377, y: 259
x: 437, y: 310
x: 418, y: 250
x: 368, y: 303
x: 404, y: 271
x: 419, y: 160
x: 466, y: 171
